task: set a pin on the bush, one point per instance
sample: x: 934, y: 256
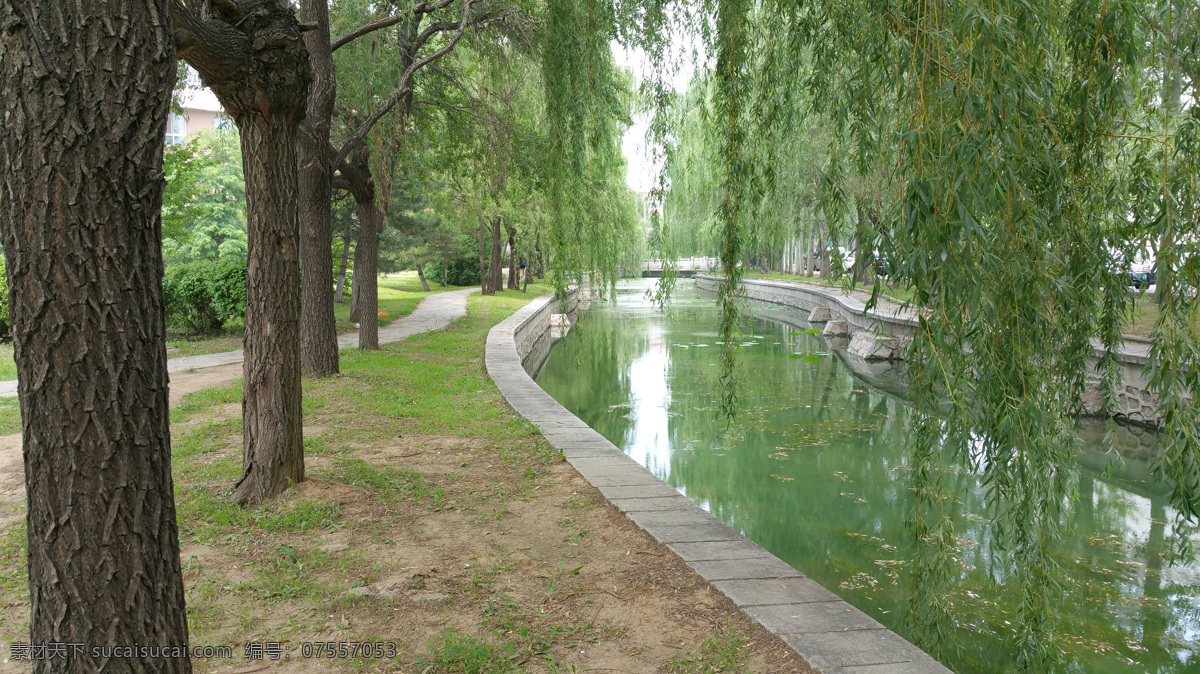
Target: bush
x: 461, y: 272
x: 201, y: 297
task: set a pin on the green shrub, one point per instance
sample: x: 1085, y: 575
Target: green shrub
x: 461, y: 272
x: 201, y: 297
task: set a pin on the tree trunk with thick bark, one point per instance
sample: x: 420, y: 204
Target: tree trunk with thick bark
x: 250, y: 53
x: 512, y: 258
x: 366, y: 275
x: 318, y: 326
x: 87, y: 92
x: 356, y: 174
x: 495, y: 262
x: 273, y: 444
x: 340, y: 293
x: 421, y: 275
x: 483, y: 286
x: 540, y: 271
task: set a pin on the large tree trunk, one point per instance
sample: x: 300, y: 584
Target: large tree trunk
x: 355, y: 175
x: 318, y: 326
x: 483, y: 286
x: 339, y: 294
x: 250, y: 53
x: 87, y: 91
x: 512, y: 258
x: 540, y: 271
x: 366, y: 276
x: 273, y: 444
x: 495, y: 275
x: 421, y: 275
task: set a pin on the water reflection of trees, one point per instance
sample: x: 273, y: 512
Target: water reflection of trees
x: 814, y: 469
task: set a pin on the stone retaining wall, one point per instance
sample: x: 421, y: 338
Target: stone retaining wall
x: 830, y: 634
x: 881, y: 336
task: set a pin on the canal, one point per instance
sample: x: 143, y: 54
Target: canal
x: 814, y: 470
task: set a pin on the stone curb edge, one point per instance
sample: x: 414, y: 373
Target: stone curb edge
x: 830, y: 634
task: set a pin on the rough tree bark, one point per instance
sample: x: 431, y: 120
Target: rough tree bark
x: 366, y: 275
x: 512, y: 258
x: 495, y: 262
x: 318, y: 326
x: 483, y: 289
x: 339, y: 294
x: 87, y: 91
x: 250, y: 53
x: 421, y: 275
x: 355, y: 175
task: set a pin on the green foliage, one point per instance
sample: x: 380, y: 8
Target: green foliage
x: 204, y: 206
x: 993, y: 153
x: 201, y: 297
x: 461, y: 272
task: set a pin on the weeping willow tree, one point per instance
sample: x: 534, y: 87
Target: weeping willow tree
x: 1006, y: 149
x: 588, y: 99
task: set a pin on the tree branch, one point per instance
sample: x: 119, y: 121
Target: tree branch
x: 211, y: 47
x: 402, y: 89
x: 379, y: 24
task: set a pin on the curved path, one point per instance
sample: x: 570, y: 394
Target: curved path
x: 433, y: 313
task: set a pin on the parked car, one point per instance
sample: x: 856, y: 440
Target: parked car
x: 1140, y: 271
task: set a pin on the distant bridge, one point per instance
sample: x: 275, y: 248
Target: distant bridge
x: 685, y: 267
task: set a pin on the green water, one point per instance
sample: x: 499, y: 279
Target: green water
x: 814, y: 470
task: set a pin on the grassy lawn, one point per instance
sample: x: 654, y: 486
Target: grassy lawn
x: 8, y: 367
x: 435, y: 522
x: 1141, y: 319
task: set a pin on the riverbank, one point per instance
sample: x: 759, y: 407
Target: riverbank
x: 815, y: 469
x: 434, y: 519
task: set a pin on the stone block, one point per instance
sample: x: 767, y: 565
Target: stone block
x: 765, y: 592
x: 872, y: 347
x: 744, y: 569
x: 633, y: 505
x: 719, y: 550
x: 693, y: 533
x: 855, y: 648
x: 912, y: 667
x: 812, y: 618
x: 836, y: 329
x: 820, y: 315
x: 647, y: 490
x: 683, y: 517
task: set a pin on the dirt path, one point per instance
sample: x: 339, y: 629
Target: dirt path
x: 196, y: 373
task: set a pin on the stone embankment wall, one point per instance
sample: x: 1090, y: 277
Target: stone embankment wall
x: 874, y: 335
x: 884, y: 335
x: 549, y: 321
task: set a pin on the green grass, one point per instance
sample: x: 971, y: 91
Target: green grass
x: 453, y: 651
x: 392, y: 484
x: 432, y: 383
x: 724, y: 652
x: 8, y: 366
x: 10, y: 416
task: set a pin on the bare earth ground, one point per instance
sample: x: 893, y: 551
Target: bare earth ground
x: 434, y: 521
